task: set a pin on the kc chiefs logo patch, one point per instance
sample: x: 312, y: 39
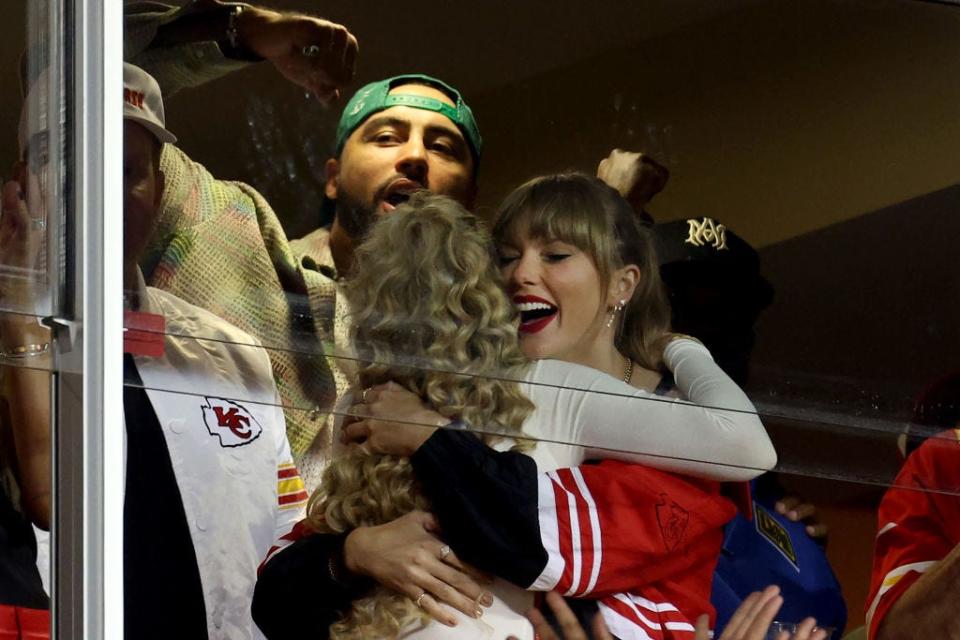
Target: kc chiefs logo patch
x: 673, y: 520
x: 230, y: 422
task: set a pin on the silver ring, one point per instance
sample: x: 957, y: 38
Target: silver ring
x: 419, y: 598
x: 444, y: 551
x: 311, y: 50
x: 363, y: 396
x: 39, y: 223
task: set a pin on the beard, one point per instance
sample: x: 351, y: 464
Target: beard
x: 354, y: 216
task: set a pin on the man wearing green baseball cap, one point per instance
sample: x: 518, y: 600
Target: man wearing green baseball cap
x: 395, y: 136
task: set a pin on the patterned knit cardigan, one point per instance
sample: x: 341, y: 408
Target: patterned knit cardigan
x: 220, y: 246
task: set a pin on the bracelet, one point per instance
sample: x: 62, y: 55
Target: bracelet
x: 235, y: 48
x: 26, y: 351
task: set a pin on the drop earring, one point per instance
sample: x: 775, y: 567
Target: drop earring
x: 617, y: 308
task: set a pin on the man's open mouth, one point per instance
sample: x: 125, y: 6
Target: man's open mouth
x: 535, y: 313
x: 398, y: 193
x: 396, y: 199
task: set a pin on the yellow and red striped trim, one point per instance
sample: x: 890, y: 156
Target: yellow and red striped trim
x: 291, y: 492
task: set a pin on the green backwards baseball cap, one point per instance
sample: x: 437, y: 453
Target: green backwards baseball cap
x: 376, y: 97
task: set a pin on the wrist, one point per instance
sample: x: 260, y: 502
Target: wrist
x: 248, y: 26
x: 17, y: 330
x: 351, y: 554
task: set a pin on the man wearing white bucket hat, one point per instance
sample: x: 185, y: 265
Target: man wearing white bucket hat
x: 210, y: 480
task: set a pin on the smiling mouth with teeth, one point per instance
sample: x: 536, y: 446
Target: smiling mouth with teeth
x: 535, y: 313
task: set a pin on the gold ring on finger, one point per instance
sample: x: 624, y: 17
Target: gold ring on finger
x: 420, y: 598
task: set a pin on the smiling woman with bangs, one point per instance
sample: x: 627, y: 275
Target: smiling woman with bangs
x: 584, y: 275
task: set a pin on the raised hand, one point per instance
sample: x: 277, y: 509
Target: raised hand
x: 314, y: 53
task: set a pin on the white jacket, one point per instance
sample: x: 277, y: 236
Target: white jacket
x: 215, y: 398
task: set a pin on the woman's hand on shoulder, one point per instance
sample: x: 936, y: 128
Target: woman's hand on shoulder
x: 390, y: 419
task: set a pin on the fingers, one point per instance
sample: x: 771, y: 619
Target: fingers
x: 795, y: 509
x: 807, y: 630
x: 426, y: 601
x: 372, y: 395
x: 356, y: 432
x: 445, y: 593
x: 801, y: 512
x: 786, y: 503
x: 462, y: 582
x: 749, y: 616
x: 602, y: 168
x: 350, y: 56
x: 335, y: 64
x: 541, y: 627
x: 765, y: 616
x: 600, y: 631
x: 569, y: 625
x: 446, y: 584
x: 702, y: 628
x: 342, y: 56
x: 426, y: 520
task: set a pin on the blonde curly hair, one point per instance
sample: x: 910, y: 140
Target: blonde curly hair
x: 429, y: 313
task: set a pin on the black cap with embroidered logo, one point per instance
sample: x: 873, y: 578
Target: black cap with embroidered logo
x: 704, y: 248
x: 703, y: 238
x: 716, y: 291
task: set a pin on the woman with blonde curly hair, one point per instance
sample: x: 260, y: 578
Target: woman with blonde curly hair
x: 433, y: 319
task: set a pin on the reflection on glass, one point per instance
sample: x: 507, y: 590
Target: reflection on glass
x: 31, y: 273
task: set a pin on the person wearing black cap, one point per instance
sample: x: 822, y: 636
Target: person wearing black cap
x: 715, y: 287
x: 716, y: 294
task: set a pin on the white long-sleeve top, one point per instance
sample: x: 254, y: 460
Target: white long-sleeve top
x: 712, y: 431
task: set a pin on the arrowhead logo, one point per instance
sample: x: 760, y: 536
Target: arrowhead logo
x: 673, y: 520
x: 230, y: 422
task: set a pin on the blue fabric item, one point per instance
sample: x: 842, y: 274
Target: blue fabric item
x: 773, y: 550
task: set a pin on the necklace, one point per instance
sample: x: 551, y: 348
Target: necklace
x: 628, y: 373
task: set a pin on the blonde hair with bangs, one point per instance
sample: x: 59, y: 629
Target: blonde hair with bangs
x: 427, y: 312
x: 583, y: 211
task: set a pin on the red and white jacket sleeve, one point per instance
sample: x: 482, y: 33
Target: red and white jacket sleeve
x: 919, y: 524
x: 587, y: 531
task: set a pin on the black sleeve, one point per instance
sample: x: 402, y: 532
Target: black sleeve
x: 486, y: 503
x: 296, y: 595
